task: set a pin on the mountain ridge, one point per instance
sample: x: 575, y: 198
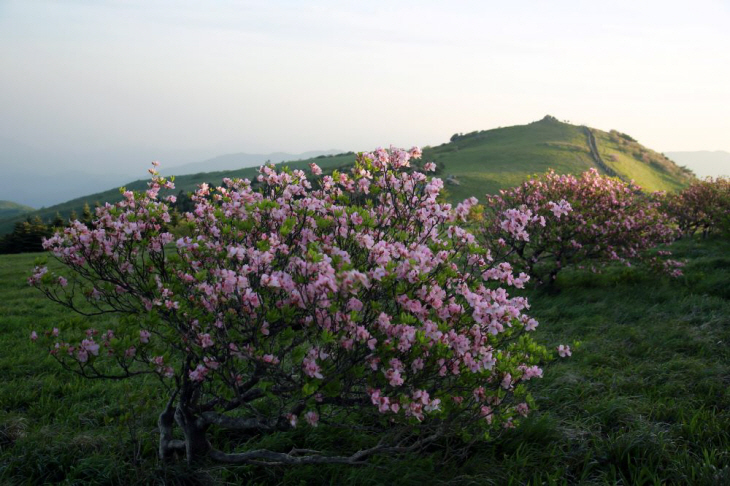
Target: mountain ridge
x: 476, y: 163
x: 244, y: 159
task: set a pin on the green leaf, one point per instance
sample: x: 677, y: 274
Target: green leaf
x: 287, y: 226
x: 333, y: 388
x: 309, y: 388
x: 287, y: 336
x: 273, y: 315
x: 327, y: 337
x: 297, y: 355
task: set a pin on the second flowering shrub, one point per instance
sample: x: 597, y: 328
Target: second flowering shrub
x: 702, y: 207
x: 554, y: 221
x: 351, y: 301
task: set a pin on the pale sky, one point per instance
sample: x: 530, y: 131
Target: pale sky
x: 264, y: 76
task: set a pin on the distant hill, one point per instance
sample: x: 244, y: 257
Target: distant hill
x: 58, y: 176
x: 186, y: 183
x: 703, y: 162
x: 242, y: 160
x: 479, y: 163
x: 39, y: 177
x: 9, y: 209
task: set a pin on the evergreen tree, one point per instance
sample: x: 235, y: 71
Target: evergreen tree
x: 58, y: 222
x: 86, y: 215
x: 27, y: 236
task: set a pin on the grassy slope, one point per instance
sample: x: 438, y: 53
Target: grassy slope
x: 9, y: 209
x: 482, y: 162
x: 644, y: 399
x: 485, y: 162
x: 655, y: 173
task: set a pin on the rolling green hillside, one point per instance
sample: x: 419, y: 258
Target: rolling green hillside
x: 481, y: 162
x: 9, y: 209
x: 486, y: 161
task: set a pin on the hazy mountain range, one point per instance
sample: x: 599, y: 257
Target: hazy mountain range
x: 477, y: 162
x: 38, y: 177
x: 704, y: 162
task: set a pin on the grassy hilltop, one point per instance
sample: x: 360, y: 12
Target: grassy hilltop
x: 9, y: 209
x: 476, y: 163
x: 486, y: 161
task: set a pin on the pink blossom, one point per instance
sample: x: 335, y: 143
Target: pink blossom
x: 205, y: 340
x: 90, y: 346
x: 270, y: 359
x: 210, y: 363
x: 486, y: 412
x: 522, y: 409
x: 564, y: 351
x: 394, y: 377
x: 312, y: 418
x: 311, y: 368
x: 144, y: 336
x: 559, y: 209
x: 199, y: 373
x: 507, y: 381
x: 292, y: 418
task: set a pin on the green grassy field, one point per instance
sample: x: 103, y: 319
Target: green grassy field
x: 481, y: 163
x: 645, y: 399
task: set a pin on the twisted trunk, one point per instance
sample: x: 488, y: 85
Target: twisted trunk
x: 165, y: 424
x: 194, y: 429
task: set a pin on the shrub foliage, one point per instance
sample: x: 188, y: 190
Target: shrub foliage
x: 346, y: 301
x: 704, y: 206
x: 554, y: 221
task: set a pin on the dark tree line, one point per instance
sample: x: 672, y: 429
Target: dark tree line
x: 27, y: 236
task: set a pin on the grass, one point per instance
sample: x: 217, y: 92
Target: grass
x: 485, y: 162
x: 482, y: 162
x: 656, y: 174
x: 645, y: 399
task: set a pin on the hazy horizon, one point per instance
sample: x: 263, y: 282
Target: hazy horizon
x: 218, y: 77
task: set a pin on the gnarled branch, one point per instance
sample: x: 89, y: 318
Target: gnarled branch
x: 308, y: 456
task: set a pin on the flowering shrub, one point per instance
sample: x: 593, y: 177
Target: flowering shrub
x: 350, y: 300
x: 554, y: 221
x: 704, y: 206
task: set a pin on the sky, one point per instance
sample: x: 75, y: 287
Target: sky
x: 213, y: 77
